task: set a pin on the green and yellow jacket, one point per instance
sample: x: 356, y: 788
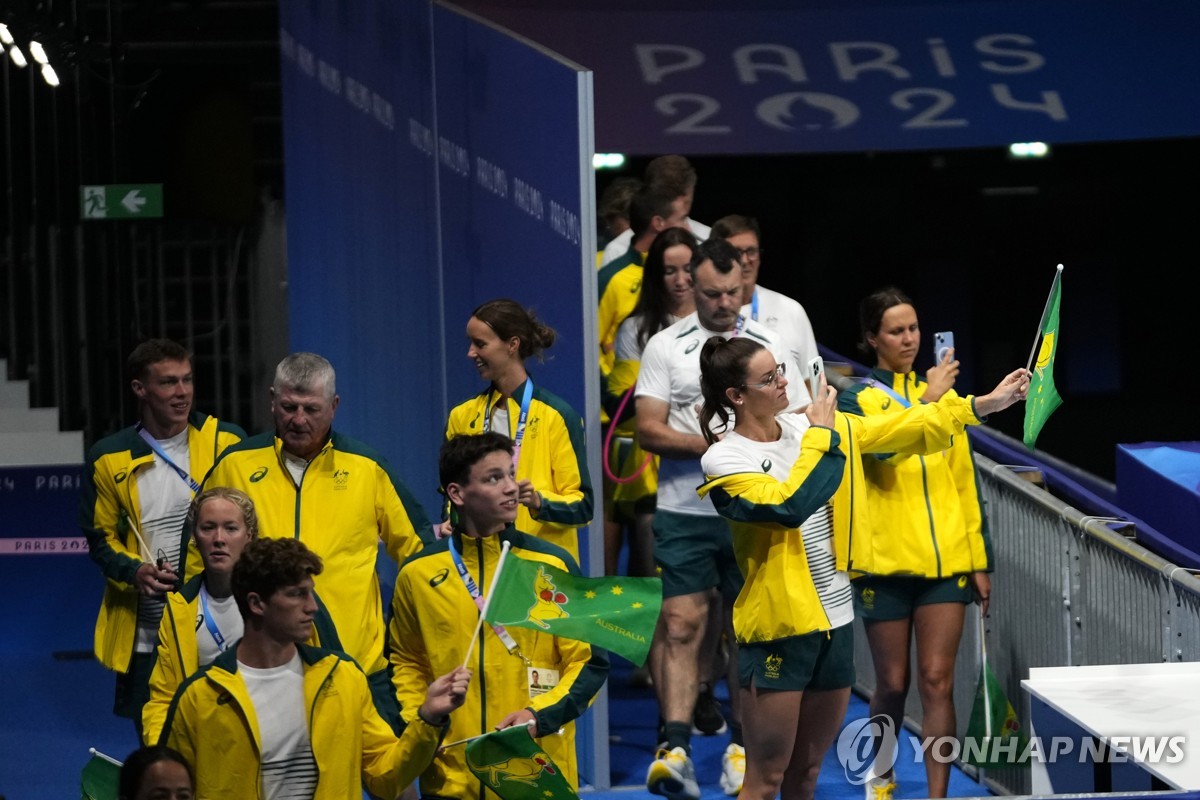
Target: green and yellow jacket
x: 348, y: 500
x: 926, y: 509
x: 109, y: 501
x: 214, y: 724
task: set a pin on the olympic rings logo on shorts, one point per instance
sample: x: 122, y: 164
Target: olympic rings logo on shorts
x: 867, y: 748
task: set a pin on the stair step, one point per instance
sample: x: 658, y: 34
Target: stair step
x: 28, y: 420
x: 14, y: 394
x: 37, y: 448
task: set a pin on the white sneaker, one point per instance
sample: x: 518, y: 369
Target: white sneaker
x: 880, y: 788
x: 733, y: 769
x: 673, y: 776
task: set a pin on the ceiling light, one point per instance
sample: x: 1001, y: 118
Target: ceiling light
x: 5, y: 36
x: 17, y: 56
x: 1029, y: 150
x: 608, y: 161
x: 35, y: 50
x: 49, y: 75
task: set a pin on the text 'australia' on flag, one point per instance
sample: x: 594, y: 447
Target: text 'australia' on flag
x: 616, y: 613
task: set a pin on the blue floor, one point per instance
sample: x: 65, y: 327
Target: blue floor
x: 52, y: 710
x: 633, y: 721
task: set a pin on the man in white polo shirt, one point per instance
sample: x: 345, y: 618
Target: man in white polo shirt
x: 692, y: 543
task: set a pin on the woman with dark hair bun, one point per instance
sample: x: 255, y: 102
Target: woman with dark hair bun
x: 790, y: 486
x: 155, y: 773
x: 549, y: 457
x: 928, y: 534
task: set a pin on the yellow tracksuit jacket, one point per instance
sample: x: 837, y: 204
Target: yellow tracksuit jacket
x: 553, y: 457
x: 214, y: 724
x: 348, y: 500
x: 926, y: 510
x: 178, y: 655
x: 764, y: 514
x: 109, y: 500
x: 433, y: 617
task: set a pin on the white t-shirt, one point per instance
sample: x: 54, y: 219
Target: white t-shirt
x: 786, y: 317
x: 288, y: 767
x: 735, y: 453
x: 225, y: 618
x: 670, y: 372
x: 619, y: 246
x: 164, y: 499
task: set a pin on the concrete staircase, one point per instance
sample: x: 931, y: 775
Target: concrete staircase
x: 30, y: 436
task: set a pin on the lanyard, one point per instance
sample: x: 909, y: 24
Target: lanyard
x: 754, y: 305
x: 209, y: 622
x: 505, y: 637
x: 737, y: 329
x: 158, y: 451
x: 876, y: 384
x: 526, y: 400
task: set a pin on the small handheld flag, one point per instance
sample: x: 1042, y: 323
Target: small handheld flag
x: 100, y: 777
x: 616, y: 613
x: 993, y: 719
x: 1043, y: 396
x: 515, y: 767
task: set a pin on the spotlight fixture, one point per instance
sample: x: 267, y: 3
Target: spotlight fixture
x: 5, y: 35
x: 35, y: 50
x: 17, y: 56
x: 49, y: 75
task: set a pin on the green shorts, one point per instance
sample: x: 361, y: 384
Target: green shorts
x: 886, y: 597
x: 696, y: 554
x: 822, y: 660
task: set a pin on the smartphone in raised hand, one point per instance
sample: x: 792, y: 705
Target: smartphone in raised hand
x: 816, y: 368
x: 942, y: 341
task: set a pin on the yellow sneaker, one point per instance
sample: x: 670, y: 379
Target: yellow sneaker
x: 733, y: 769
x: 880, y: 788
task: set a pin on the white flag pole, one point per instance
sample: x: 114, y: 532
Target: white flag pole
x: 1037, y: 341
x: 487, y: 602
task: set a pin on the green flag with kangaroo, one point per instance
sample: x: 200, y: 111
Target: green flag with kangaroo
x: 616, y: 613
x: 515, y: 767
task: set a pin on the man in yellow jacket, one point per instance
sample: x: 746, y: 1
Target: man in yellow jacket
x: 271, y: 717
x: 435, y: 611
x: 335, y: 494
x: 137, y: 486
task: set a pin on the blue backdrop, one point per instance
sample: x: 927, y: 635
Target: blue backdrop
x: 433, y: 163
x: 760, y: 77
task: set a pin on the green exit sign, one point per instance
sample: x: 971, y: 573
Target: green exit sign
x: 121, y: 201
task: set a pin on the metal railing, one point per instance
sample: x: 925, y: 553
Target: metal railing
x: 1068, y: 589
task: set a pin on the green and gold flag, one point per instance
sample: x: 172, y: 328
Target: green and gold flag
x: 1043, y: 396
x: 515, y: 767
x: 616, y: 613
x: 994, y: 734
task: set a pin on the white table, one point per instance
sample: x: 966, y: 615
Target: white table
x: 1122, y: 705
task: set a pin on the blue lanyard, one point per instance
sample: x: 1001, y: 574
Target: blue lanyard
x: 209, y: 622
x: 877, y: 384
x: 737, y: 329
x: 505, y: 637
x: 526, y: 401
x: 158, y: 451
x: 754, y: 305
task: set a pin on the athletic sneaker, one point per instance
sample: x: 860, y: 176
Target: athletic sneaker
x: 673, y: 776
x: 707, y: 719
x: 733, y: 769
x: 880, y: 788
